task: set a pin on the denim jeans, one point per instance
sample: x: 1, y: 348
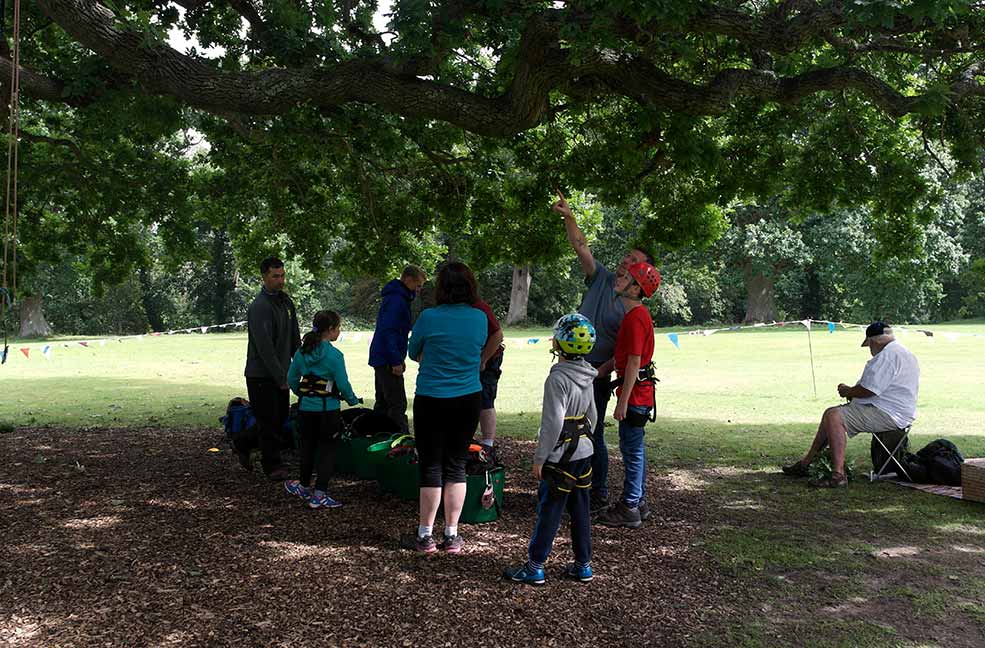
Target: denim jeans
x: 634, y: 459
x: 550, y: 505
x: 600, y: 460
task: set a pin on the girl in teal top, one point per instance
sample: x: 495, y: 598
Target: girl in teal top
x: 317, y: 375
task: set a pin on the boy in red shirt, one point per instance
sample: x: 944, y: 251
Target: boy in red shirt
x: 635, y: 393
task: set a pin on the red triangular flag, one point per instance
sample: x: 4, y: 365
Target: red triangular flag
x: 85, y: 344
x: 26, y: 351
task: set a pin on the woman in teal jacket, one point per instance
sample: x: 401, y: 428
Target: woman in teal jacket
x: 447, y: 341
x: 317, y: 375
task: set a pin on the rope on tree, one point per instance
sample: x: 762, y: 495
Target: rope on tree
x: 7, y: 292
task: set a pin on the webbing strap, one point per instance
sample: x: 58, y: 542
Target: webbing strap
x: 573, y: 429
x: 313, y: 386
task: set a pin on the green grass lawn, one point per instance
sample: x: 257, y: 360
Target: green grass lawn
x: 861, y: 567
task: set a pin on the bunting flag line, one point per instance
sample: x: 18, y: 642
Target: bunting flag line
x: 46, y: 350
x: 361, y: 336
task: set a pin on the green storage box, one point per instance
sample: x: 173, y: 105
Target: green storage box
x: 378, y: 452
x: 472, y: 511
x: 343, y: 458
x: 352, y: 457
x: 399, y: 475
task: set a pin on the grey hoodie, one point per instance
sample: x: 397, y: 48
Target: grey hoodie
x: 567, y: 392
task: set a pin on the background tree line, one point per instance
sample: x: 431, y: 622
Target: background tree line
x: 766, y: 264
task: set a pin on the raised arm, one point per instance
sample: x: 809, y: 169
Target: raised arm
x: 575, y: 236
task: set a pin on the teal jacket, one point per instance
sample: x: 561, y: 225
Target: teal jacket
x: 447, y: 341
x: 325, y: 362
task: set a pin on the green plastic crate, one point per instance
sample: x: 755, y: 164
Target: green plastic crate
x: 399, y: 476
x: 358, y: 458
x: 377, y: 453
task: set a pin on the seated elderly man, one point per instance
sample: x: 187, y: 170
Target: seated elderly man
x: 884, y: 399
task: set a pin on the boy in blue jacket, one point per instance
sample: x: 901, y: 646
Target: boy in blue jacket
x: 318, y: 377
x: 388, y: 350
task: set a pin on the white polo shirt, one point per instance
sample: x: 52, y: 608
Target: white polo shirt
x: 893, y: 375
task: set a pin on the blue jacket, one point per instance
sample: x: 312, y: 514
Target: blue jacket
x: 325, y: 362
x: 389, y: 346
x: 447, y: 342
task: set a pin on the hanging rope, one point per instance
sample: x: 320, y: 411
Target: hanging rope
x: 7, y: 292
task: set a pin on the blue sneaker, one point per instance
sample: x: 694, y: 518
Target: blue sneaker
x: 579, y: 573
x: 320, y: 499
x: 524, y: 574
x: 295, y: 488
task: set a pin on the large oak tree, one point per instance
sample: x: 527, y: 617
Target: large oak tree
x: 322, y: 126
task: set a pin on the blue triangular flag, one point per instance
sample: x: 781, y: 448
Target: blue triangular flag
x: 673, y: 339
x: 831, y: 327
x: 533, y: 340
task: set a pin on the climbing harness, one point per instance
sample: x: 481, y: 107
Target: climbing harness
x: 313, y: 386
x: 558, y: 474
x: 646, y: 374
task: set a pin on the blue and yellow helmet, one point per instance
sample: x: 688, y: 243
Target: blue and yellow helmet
x: 575, y: 334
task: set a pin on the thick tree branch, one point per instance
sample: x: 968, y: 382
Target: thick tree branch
x: 35, y: 85
x: 161, y: 69
x: 540, y: 66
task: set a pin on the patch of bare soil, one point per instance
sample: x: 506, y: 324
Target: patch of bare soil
x: 143, y: 537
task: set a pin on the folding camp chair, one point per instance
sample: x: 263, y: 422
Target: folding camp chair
x: 882, y: 473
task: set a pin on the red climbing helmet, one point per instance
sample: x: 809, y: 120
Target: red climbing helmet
x: 646, y: 276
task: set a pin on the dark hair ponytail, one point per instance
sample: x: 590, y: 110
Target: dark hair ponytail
x: 324, y: 320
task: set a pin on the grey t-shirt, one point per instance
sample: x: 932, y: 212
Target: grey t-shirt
x: 602, y: 306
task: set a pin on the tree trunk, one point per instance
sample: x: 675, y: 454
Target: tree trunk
x: 519, y: 295
x: 759, y: 298
x: 224, y: 284
x: 33, y: 323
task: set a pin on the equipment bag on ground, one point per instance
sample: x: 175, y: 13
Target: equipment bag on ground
x: 939, y: 462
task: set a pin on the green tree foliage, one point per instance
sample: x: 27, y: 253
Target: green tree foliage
x: 465, y: 114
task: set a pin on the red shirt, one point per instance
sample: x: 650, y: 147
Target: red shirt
x: 492, y: 324
x: 635, y: 338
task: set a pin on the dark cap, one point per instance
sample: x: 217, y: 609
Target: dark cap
x: 874, y: 329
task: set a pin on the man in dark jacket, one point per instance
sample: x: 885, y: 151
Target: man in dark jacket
x: 388, y: 350
x: 273, y: 339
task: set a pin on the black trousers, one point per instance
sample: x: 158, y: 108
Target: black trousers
x: 271, y: 406
x: 391, y: 397
x: 320, y: 433
x: 443, y: 429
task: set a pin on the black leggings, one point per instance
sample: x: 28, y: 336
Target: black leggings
x: 443, y: 429
x: 320, y: 433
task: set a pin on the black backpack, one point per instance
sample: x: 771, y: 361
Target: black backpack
x: 939, y: 462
